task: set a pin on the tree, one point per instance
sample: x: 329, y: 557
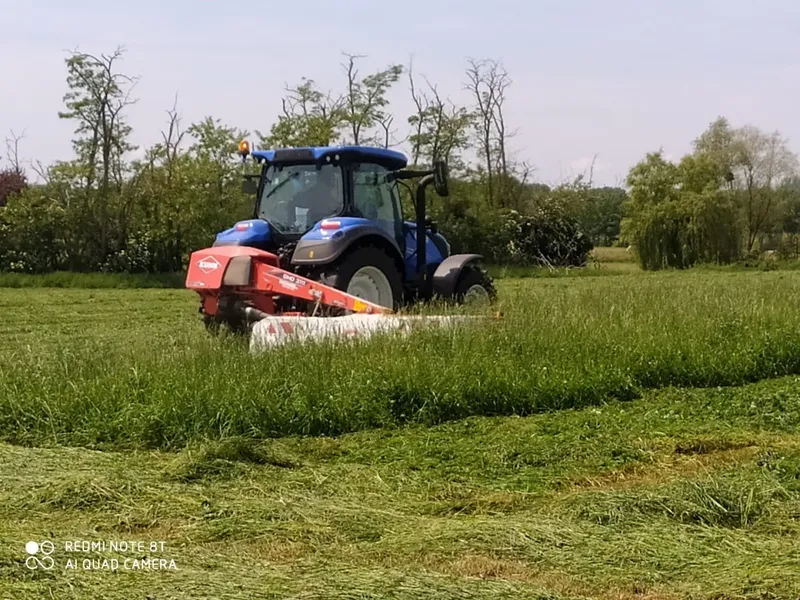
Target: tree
x: 213, y: 168
x: 172, y: 139
x: 653, y: 181
x: 106, y: 209
x: 488, y: 82
x: 179, y: 197
x: 365, y: 100
x: 97, y: 97
x: 677, y: 216
x: 752, y: 165
x: 309, y: 118
x: 790, y: 211
x: 763, y: 163
x: 12, y: 151
x: 440, y: 129
x: 12, y: 178
x: 601, y: 214
x: 718, y: 144
x: 31, y: 233
x: 650, y: 221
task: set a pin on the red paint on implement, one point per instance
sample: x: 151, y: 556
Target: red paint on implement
x: 207, y: 273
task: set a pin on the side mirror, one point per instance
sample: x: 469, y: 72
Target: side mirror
x: 250, y: 186
x: 441, y: 178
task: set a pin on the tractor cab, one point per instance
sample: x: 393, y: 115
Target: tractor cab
x: 298, y: 189
x: 333, y: 214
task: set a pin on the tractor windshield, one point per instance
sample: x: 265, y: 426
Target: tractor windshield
x: 294, y: 198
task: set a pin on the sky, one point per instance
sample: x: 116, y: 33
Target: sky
x: 602, y: 80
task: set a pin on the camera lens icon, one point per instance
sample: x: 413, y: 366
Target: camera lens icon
x: 46, y: 562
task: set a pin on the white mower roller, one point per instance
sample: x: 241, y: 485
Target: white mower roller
x: 273, y: 331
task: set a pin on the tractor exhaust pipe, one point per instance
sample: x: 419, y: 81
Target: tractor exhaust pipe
x: 422, y: 236
x: 439, y: 177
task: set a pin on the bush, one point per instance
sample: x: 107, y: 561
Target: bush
x: 694, y: 228
x: 153, y: 226
x: 508, y: 237
x: 138, y: 256
x: 12, y: 182
x: 548, y: 240
x: 31, y: 234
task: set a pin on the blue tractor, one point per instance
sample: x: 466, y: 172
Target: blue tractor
x: 333, y: 214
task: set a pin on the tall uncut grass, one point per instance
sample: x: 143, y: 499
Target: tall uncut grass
x: 65, y: 279
x: 562, y: 343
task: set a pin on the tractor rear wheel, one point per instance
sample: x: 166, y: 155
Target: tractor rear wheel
x: 474, y: 287
x: 368, y: 274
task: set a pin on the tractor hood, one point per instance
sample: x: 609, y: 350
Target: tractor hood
x: 252, y: 232
x: 335, y: 228
x: 331, y: 237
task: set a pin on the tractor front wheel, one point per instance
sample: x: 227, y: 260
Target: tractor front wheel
x: 368, y: 274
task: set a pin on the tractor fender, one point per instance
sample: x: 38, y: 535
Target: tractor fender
x: 324, y: 252
x: 446, y: 276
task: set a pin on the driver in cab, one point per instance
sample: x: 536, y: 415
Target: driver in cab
x: 322, y: 198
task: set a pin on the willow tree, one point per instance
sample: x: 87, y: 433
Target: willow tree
x: 680, y: 215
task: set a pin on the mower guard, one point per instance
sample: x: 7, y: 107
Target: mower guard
x: 249, y: 278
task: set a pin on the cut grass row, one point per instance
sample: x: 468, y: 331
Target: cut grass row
x: 681, y: 494
x: 136, y: 369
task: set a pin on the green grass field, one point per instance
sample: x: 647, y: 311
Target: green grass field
x: 626, y: 437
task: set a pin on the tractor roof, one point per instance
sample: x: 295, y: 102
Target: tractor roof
x: 388, y: 158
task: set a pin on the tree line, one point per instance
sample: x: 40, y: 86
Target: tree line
x: 736, y: 195
x: 115, y: 207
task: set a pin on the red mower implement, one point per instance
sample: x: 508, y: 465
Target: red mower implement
x: 240, y: 285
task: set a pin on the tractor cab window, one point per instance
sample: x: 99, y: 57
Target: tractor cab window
x: 375, y: 198
x: 294, y: 198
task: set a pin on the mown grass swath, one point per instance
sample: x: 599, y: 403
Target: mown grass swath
x: 561, y: 344
x: 680, y: 494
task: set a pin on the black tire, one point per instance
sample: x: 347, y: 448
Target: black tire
x: 212, y: 324
x: 471, y: 277
x: 340, y: 274
x: 216, y: 325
